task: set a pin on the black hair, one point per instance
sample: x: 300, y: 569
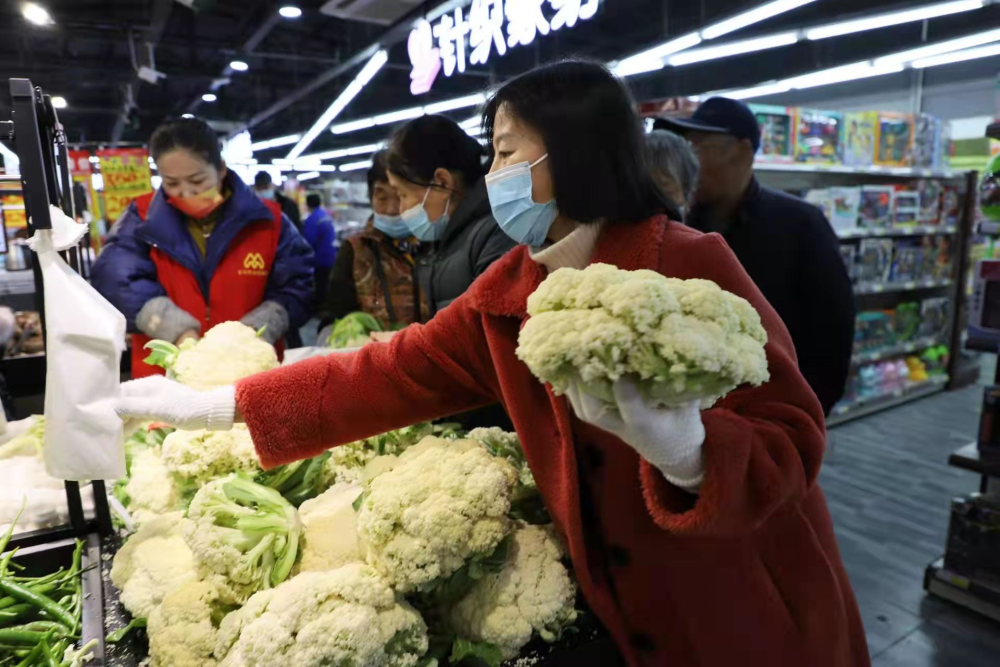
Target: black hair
x: 376, y: 172
x: 313, y: 200
x: 433, y: 142
x: 588, y: 122
x: 190, y: 134
x: 262, y: 180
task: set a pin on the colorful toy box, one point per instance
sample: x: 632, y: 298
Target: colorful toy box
x: 894, y: 139
x: 777, y: 133
x: 817, y: 136
x: 860, y: 131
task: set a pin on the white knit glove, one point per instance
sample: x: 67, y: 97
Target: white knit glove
x: 158, y: 399
x: 668, y: 438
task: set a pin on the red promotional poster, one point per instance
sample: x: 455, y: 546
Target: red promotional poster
x: 126, y: 176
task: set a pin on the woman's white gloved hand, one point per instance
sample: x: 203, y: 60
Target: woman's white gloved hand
x: 159, y: 399
x: 668, y: 438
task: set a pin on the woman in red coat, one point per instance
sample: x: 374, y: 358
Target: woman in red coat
x: 698, y: 538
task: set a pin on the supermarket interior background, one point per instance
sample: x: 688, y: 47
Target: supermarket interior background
x: 883, y: 114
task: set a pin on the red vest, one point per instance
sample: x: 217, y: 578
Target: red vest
x: 237, y: 285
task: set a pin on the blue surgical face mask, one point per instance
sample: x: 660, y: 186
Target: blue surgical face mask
x: 266, y: 194
x: 422, y: 226
x: 391, y: 225
x: 524, y: 220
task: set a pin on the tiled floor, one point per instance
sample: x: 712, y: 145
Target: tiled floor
x: 888, y: 486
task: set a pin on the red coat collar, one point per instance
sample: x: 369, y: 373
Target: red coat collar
x: 504, y: 289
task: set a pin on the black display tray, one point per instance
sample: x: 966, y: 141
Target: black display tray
x: 44, y: 558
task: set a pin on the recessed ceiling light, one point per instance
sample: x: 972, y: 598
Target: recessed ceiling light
x: 239, y: 66
x: 290, y: 12
x: 59, y: 102
x: 36, y: 14
x: 187, y: 115
x: 209, y: 97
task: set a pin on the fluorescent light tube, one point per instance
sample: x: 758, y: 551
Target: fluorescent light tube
x: 755, y: 15
x: 733, y: 48
x: 396, y: 116
x: 958, y: 56
x: 370, y: 69
x: 352, y: 166
x: 754, y: 91
x: 893, y: 18
x: 275, y: 143
x: 930, y: 50
x: 353, y: 125
x: 308, y: 175
x: 457, y: 103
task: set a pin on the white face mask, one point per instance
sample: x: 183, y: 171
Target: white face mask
x: 519, y: 216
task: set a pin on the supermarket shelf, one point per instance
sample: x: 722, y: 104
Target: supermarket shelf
x: 917, y: 230
x: 979, y: 596
x: 895, y: 350
x: 880, y: 288
x: 899, y: 172
x: 862, y: 407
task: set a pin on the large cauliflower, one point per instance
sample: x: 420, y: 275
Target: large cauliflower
x: 245, y: 533
x: 150, y: 488
x: 181, y: 630
x: 227, y: 353
x: 532, y: 594
x: 153, y: 562
x: 680, y: 340
x: 442, y: 503
x: 347, y: 462
x: 330, y: 523
x: 201, y: 456
x: 348, y: 617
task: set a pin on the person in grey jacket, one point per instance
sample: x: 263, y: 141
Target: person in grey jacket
x: 437, y: 170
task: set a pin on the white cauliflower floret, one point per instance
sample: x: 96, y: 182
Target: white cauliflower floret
x: 442, y: 503
x: 348, y: 617
x: 532, y: 594
x: 330, y: 529
x: 181, y: 631
x: 150, y: 487
x: 678, y: 340
x: 153, y: 562
x: 201, y: 456
x: 227, y: 353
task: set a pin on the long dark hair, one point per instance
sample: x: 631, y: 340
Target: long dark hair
x: 190, y: 134
x: 434, y: 142
x: 594, y: 137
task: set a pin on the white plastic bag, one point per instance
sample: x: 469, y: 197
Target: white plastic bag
x: 85, y: 340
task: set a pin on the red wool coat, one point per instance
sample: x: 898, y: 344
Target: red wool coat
x: 746, y: 573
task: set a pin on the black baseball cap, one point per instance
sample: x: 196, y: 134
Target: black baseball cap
x: 717, y: 114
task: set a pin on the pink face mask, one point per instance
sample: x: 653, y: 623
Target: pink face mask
x: 200, y: 205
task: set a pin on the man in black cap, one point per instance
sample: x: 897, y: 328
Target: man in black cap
x: 786, y: 245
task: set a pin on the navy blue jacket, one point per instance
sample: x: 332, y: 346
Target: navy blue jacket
x: 126, y: 275
x: 318, y: 230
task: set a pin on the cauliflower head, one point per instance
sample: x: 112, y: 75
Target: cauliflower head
x: 347, y: 462
x: 181, y: 630
x: 228, y: 352
x: 201, y: 456
x: 152, y: 563
x: 679, y: 340
x: 348, y: 617
x: 532, y: 594
x: 150, y: 487
x: 442, y: 503
x: 330, y: 525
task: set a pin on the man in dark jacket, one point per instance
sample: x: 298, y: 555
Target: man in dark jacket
x: 265, y: 189
x: 786, y: 245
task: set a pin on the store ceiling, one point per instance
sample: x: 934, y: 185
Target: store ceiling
x: 86, y: 58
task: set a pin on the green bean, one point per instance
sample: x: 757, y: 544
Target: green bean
x: 12, y: 614
x: 39, y: 600
x: 50, y: 660
x: 21, y: 636
x: 32, y: 657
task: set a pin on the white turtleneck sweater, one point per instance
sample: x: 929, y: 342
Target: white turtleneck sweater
x: 572, y: 251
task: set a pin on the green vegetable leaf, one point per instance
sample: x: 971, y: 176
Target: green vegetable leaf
x: 358, y: 501
x: 466, y: 652
x: 161, y: 353
x: 261, y: 331
x: 120, y: 633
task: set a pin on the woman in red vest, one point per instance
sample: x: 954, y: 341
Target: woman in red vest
x: 697, y: 537
x: 201, y: 250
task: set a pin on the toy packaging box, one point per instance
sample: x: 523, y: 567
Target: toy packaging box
x: 777, y: 133
x: 847, y: 254
x: 817, y: 136
x: 844, y: 205
x: 907, y: 261
x: 822, y: 200
x: 874, y: 260
x: 860, y: 130
x: 875, y: 207
x: 930, y: 191
x: 928, y: 142
x: 951, y: 205
x: 905, y: 208
x: 894, y: 140
x: 934, y: 316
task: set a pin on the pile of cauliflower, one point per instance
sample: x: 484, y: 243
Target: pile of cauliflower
x: 679, y: 340
x: 357, y: 557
